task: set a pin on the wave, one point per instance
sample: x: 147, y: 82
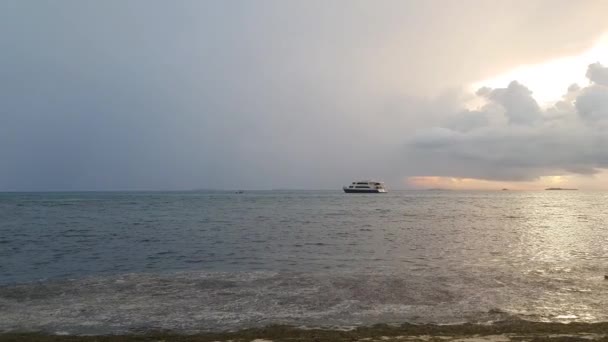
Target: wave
x: 191, y: 302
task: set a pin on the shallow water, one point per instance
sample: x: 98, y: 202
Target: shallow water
x: 195, y: 261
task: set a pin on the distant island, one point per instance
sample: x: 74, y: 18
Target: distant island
x: 559, y: 189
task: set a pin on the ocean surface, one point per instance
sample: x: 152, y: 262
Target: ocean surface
x: 120, y: 262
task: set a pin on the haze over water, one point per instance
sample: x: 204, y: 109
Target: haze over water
x: 197, y: 261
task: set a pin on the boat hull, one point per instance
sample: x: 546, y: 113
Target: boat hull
x: 364, y: 191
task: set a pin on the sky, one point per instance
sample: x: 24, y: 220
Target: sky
x: 272, y: 94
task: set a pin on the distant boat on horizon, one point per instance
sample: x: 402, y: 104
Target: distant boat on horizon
x: 560, y: 189
x: 365, y: 186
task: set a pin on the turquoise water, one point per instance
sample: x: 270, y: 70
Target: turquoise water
x: 195, y: 261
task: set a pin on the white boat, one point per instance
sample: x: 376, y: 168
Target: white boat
x: 365, y: 186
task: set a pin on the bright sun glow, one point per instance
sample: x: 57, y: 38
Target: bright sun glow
x: 453, y: 183
x: 550, y: 80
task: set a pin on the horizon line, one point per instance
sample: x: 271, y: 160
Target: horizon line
x: 279, y: 189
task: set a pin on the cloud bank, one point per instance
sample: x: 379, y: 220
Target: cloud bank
x: 511, y: 138
x: 154, y: 95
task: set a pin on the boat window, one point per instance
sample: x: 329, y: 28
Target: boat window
x: 362, y: 187
x: 362, y: 183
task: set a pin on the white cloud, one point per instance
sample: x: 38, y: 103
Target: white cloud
x: 512, y: 138
x: 597, y: 74
x: 592, y: 103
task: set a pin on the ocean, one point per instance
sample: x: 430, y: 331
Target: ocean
x: 128, y: 262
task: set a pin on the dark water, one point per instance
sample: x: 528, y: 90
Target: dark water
x: 125, y: 262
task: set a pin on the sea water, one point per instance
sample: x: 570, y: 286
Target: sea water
x: 121, y: 262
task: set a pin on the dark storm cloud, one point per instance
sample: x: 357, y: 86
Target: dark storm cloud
x: 515, y: 140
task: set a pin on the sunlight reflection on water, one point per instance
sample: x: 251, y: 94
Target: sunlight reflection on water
x: 234, y: 260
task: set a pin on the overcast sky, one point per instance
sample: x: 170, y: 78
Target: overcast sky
x: 135, y: 95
